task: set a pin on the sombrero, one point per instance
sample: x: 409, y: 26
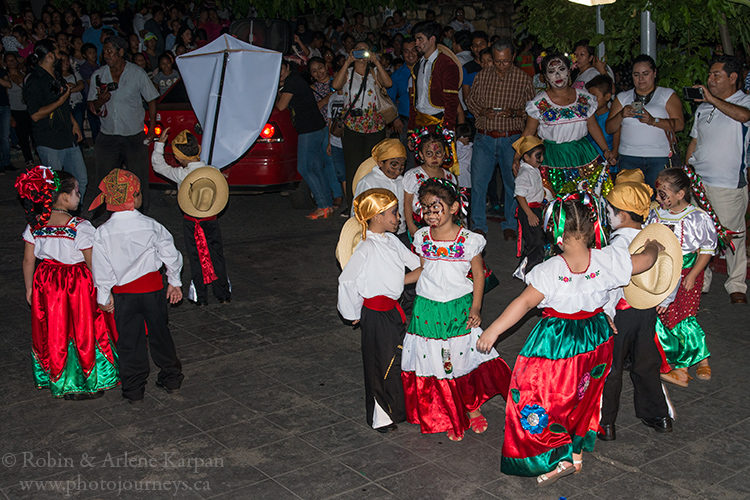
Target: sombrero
x: 649, y: 288
x: 364, y: 168
x: 351, y: 235
x: 203, y: 193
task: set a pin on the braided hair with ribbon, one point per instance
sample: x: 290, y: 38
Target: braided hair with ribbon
x: 432, y: 133
x: 448, y: 192
x: 575, y: 213
x: 39, y: 189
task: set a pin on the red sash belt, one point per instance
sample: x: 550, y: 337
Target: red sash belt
x: 548, y: 312
x: 382, y: 303
x: 519, y: 242
x: 622, y: 305
x: 150, y: 282
x: 204, y: 256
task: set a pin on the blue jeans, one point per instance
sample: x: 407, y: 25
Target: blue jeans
x: 486, y: 154
x: 311, y: 165
x: 68, y: 159
x: 336, y: 171
x: 650, y: 166
x: 4, y: 136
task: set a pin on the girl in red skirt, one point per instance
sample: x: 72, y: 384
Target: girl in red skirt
x: 72, y: 340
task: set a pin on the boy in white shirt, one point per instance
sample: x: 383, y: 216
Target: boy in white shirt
x: 369, y: 288
x: 129, y: 249
x: 529, y: 193
x: 464, y: 148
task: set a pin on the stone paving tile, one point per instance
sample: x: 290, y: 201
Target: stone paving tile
x: 322, y: 480
x: 265, y: 490
x: 285, y: 456
x: 381, y: 460
x: 431, y: 481
x: 370, y: 491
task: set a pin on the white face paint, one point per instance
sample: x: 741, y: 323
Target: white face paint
x: 615, y: 220
x: 557, y: 74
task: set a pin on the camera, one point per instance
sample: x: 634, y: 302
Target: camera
x: 356, y: 112
x: 111, y: 86
x: 360, y: 54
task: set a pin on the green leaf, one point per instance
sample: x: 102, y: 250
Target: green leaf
x: 516, y: 395
x: 598, y: 370
x: 558, y: 429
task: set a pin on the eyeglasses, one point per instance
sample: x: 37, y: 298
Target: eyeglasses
x: 711, y: 115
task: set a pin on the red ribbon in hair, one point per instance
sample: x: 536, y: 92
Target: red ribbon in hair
x: 204, y: 256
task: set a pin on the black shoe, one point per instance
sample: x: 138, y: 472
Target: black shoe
x: 387, y: 428
x: 659, y: 424
x: 200, y: 303
x: 168, y: 390
x: 608, y: 433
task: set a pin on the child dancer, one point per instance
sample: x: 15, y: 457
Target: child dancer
x: 72, y: 340
x: 444, y: 376
x: 552, y: 413
x: 129, y: 249
x: 681, y: 337
x: 390, y: 155
x: 433, y: 158
x: 202, y: 234
x: 628, y: 204
x: 369, y: 288
x: 529, y: 193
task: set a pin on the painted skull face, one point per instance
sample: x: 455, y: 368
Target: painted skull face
x: 557, y: 74
x: 433, y: 153
x: 433, y: 210
x: 615, y: 220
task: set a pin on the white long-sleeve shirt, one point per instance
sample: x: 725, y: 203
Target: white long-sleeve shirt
x: 375, y: 268
x: 176, y: 174
x: 130, y: 245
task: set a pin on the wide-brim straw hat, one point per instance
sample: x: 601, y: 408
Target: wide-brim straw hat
x: 649, y: 288
x: 203, y: 193
x: 349, y: 238
x: 364, y: 168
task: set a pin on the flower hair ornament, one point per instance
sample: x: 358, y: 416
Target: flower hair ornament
x: 417, y: 136
x: 38, y: 185
x: 461, y: 194
x: 557, y: 224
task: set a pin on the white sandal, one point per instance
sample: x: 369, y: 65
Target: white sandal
x: 561, y: 470
x: 576, y: 464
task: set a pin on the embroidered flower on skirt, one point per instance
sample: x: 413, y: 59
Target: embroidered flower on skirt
x: 583, y: 384
x: 534, y: 419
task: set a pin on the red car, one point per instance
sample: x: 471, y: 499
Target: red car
x: 270, y: 162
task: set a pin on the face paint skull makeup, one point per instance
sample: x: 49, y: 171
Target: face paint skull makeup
x: 615, y: 220
x: 433, y: 210
x: 557, y: 74
x: 433, y: 154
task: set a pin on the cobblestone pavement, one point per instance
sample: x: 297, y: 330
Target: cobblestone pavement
x: 272, y: 403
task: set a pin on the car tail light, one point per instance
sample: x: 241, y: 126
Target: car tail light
x: 270, y: 133
x: 157, y: 129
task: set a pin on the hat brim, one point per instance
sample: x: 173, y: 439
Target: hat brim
x: 220, y: 200
x: 364, y: 168
x: 349, y: 238
x: 639, y: 298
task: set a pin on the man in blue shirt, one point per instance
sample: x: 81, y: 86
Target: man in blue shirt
x: 399, y: 92
x: 93, y: 34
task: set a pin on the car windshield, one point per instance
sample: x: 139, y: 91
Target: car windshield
x: 177, y: 94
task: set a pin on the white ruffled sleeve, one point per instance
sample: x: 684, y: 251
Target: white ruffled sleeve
x: 475, y: 243
x: 411, y: 184
x: 619, y: 266
x: 591, y: 103
x: 27, y: 236
x: 84, y: 235
x: 531, y: 107
x: 704, y: 232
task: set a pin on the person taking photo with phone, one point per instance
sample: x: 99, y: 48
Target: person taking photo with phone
x: 644, y: 122
x: 718, y: 152
x: 116, y: 95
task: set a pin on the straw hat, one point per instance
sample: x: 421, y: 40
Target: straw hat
x: 364, y: 168
x: 203, y: 193
x: 526, y: 143
x: 650, y: 288
x: 351, y: 235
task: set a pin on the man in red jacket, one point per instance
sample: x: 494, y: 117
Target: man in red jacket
x: 436, y: 81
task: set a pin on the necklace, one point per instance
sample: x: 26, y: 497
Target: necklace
x: 61, y: 211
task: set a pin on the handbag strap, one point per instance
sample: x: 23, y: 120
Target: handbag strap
x: 359, y: 92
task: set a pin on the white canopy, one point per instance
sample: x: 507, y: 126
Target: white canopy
x: 246, y: 98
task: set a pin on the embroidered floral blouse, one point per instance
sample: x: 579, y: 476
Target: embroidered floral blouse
x: 446, y: 264
x: 61, y: 243
x: 370, y: 120
x: 562, y: 123
x: 568, y: 292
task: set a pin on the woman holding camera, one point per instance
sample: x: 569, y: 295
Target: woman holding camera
x: 644, y: 121
x: 364, y: 126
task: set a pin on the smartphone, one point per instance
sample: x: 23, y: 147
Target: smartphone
x: 693, y: 93
x: 360, y: 54
x: 637, y: 107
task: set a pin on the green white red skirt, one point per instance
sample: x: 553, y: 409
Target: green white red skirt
x: 443, y: 373
x: 555, y: 392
